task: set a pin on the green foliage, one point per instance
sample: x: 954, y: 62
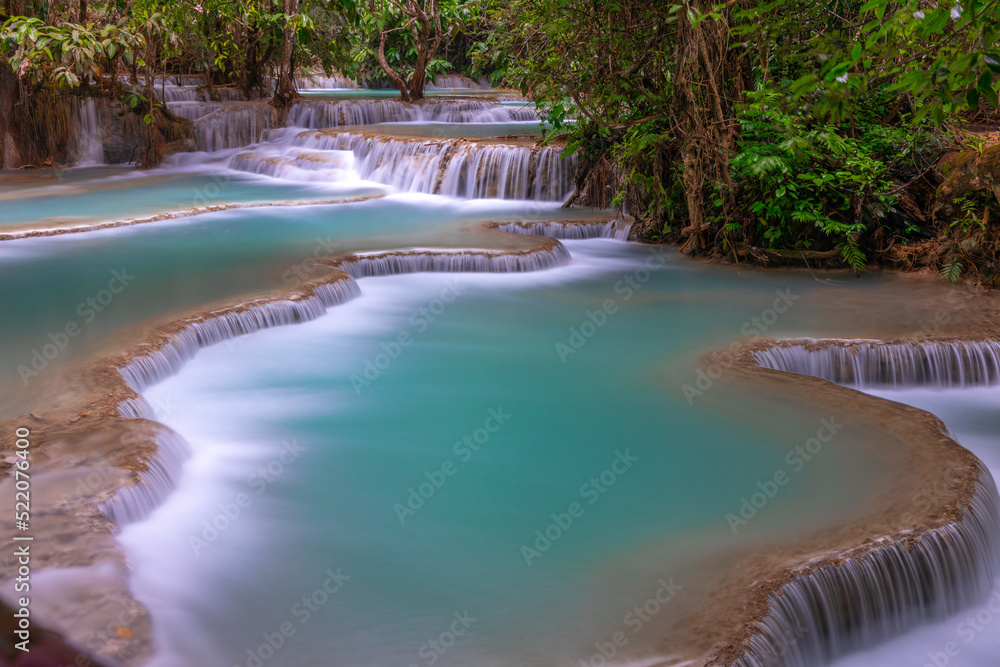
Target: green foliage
x: 944, y: 56
x: 951, y: 270
x: 810, y: 188
x: 69, y: 54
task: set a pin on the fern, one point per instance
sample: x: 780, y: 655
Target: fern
x: 854, y: 257
x: 951, y: 270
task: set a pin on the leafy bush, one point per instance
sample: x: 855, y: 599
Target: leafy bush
x: 810, y: 188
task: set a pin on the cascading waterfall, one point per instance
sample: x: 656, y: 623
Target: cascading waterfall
x: 193, y: 110
x: 452, y: 167
x: 892, y: 586
x: 452, y: 81
x: 233, y: 125
x: 316, y: 114
x: 612, y: 229
x: 895, y: 586
x: 89, y: 145
x: 319, y: 80
x: 464, y: 261
x: 873, y: 364
x: 508, y: 172
x: 301, y: 166
x: 407, y: 165
x: 133, y: 503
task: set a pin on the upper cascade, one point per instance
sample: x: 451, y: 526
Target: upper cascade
x: 89, y: 149
x: 318, y: 114
x: 452, y: 167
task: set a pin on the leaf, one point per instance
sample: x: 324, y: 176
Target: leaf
x: 992, y: 61
x: 972, y: 99
x: 952, y: 270
x: 856, y: 52
x: 985, y: 86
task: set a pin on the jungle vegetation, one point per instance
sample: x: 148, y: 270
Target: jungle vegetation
x: 830, y: 133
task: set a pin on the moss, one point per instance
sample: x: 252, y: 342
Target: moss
x: 951, y: 162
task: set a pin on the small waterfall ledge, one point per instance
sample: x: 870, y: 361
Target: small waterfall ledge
x: 170, y: 352
x: 889, y: 585
x: 571, y: 230
x: 134, y: 503
x: 451, y: 167
x: 881, y: 591
x: 876, y: 364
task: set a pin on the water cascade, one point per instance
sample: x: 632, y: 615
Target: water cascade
x: 89, y: 146
x: 613, y: 229
x: 193, y: 110
x: 453, y: 167
x: 896, y: 585
x: 233, y: 125
x: 134, y: 503
x: 881, y: 592
x: 871, y: 364
x: 300, y: 166
x: 319, y: 80
x: 455, y: 81
x: 316, y: 114
x: 483, y: 261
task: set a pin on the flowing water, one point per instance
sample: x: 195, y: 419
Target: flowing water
x: 474, y: 449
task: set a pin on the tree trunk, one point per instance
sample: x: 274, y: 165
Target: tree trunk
x: 285, y: 92
x: 426, y: 28
x: 83, y: 12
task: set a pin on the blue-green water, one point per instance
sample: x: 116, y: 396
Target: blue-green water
x: 362, y: 442
x: 463, y: 469
x: 107, y: 194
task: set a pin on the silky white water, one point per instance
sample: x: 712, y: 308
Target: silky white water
x: 307, y: 433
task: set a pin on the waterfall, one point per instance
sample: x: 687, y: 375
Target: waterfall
x: 873, y: 364
x: 193, y: 110
x: 318, y: 114
x: 452, y: 167
x: 319, y: 80
x: 405, y: 164
x: 89, y: 145
x: 233, y: 125
x: 503, y: 171
x: 452, y: 81
x: 301, y: 166
x: 217, y: 327
x: 134, y: 503
x: 478, y: 261
x: 836, y: 609
x: 612, y: 229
